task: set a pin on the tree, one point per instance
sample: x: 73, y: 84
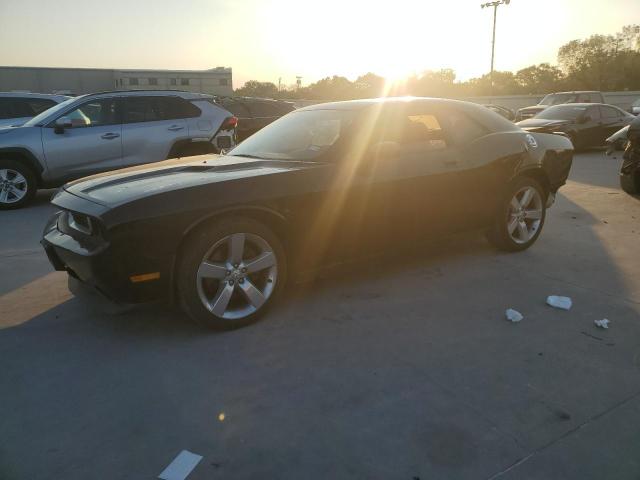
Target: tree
x: 543, y: 78
x: 254, y: 88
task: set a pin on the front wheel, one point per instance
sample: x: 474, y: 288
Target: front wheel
x: 520, y: 216
x: 17, y: 184
x: 230, y: 273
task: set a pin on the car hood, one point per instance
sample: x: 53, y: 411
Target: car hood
x: 541, y: 123
x: 130, y: 184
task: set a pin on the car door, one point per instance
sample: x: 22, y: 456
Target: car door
x: 413, y: 186
x: 92, y: 144
x: 150, y: 129
x: 612, y: 121
x: 591, y: 131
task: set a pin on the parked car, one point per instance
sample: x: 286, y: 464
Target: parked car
x: 254, y: 113
x: 586, y: 124
x: 629, y: 137
x: 105, y: 131
x: 223, y: 232
x: 558, y: 99
x: 635, y: 107
x: 18, y: 107
x: 500, y: 110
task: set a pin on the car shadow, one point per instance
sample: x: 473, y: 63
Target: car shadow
x: 408, y: 345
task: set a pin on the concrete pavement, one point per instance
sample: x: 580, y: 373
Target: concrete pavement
x: 400, y: 367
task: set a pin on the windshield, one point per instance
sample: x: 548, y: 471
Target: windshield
x: 38, y: 119
x: 301, y: 135
x: 561, y: 112
x: 556, y: 99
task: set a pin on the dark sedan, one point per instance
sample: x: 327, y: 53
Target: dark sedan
x: 586, y: 124
x: 500, y: 110
x: 221, y: 233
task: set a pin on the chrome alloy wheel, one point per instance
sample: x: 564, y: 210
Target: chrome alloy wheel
x: 525, y: 215
x: 13, y: 186
x: 237, y: 275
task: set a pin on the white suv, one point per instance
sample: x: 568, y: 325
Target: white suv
x: 106, y: 131
x: 17, y: 107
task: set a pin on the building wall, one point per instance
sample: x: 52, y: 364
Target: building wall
x: 49, y: 80
x: 217, y: 81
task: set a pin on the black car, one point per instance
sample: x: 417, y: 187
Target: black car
x: 222, y: 233
x: 500, y: 110
x: 254, y: 113
x: 586, y: 124
x: 558, y: 99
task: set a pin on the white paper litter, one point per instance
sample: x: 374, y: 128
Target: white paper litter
x: 181, y: 466
x: 559, y: 302
x: 604, y: 323
x: 513, y: 315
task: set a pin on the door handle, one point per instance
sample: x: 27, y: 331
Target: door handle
x: 175, y: 128
x: 109, y: 136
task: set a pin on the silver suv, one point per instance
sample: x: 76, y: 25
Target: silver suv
x: 106, y: 131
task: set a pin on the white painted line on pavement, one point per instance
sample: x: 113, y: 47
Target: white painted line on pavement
x: 181, y: 466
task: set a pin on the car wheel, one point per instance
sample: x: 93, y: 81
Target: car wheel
x: 520, y: 216
x: 630, y: 183
x: 230, y: 273
x: 17, y: 184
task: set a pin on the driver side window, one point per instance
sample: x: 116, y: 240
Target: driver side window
x: 413, y: 131
x: 95, y: 113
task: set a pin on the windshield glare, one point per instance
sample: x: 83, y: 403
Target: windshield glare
x: 562, y: 112
x: 300, y: 135
x: 38, y: 119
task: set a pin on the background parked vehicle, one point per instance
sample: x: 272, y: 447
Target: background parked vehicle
x: 587, y: 125
x: 500, y: 110
x: 558, y: 99
x: 106, y: 131
x: 17, y: 107
x: 322, y: 182
x: 635, y: 107
x: 629, y: 136
x: 254, y: 113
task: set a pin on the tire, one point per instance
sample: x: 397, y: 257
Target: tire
x: 203, y: 289
x: 18, y: 184
x: 630, y: 183
x: 506, y: 232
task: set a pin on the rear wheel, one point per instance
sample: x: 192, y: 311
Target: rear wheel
x: 17, y: 184
x: 230, y: 273
x: 520, y: 217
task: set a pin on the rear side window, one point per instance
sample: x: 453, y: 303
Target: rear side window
x: 39, y: 105
x: 152, y: 109
x: 594, y: 113
x: 608, y: 112
x: 462, y: 128
x: 21, y: 108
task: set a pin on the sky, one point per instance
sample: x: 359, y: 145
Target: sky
x: 268, y: 40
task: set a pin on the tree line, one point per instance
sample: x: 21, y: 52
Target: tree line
x: 600, y: 62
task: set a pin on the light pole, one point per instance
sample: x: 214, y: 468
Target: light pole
x: 493, y: 41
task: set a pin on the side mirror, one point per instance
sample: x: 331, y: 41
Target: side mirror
x: 62, y: 123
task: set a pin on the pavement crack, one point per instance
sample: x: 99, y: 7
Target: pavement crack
x: 538, y: 450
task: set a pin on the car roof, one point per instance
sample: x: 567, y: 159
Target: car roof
x: 142, y: 93
x: 51, y: 96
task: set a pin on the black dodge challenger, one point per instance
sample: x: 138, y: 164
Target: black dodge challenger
x: 220, y: 234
